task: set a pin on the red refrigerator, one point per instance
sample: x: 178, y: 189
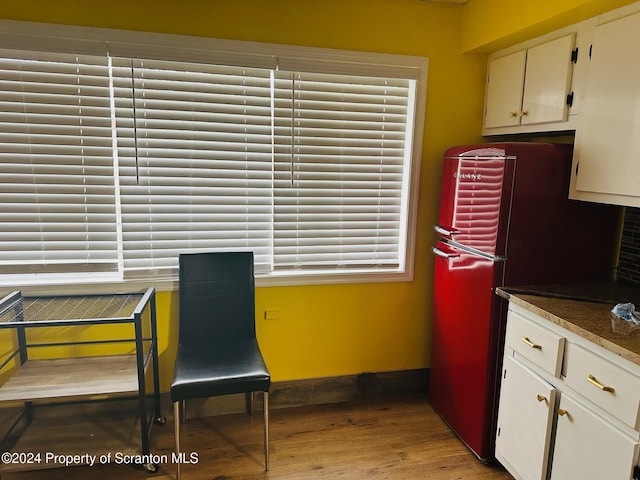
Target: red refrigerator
x: 504, y: 220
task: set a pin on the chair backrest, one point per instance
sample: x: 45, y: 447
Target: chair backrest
x: 217, y: 297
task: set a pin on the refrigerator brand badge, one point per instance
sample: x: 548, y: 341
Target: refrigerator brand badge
x: 468, y: 176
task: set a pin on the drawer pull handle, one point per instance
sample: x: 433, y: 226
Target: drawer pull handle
x: 541, y: 398
x: 594, y: 381
x: 562, y: 412
x: 531, y: 344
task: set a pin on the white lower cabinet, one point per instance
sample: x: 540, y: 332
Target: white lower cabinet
x: 524, y: 421
x: 580, y: 421
x: 588, y: 447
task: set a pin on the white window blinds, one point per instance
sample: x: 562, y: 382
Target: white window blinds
x: 139, y: 147
x: 341, y: 163
x: 195, y: 162
x: 56, y: 178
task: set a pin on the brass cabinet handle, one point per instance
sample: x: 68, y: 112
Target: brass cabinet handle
x: 541, y: 398
x: 562, y: 412
x: 513, y: 114
x: 594, y: 381
x: 524, y: 113
x: 531, y: 344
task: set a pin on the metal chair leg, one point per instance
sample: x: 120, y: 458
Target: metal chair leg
x: 183, y: 411
x: 176, y: 435
x: 248, y: 398
x: 265, y: 402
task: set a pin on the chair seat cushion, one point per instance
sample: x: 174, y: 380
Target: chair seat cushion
x: 208, y: 369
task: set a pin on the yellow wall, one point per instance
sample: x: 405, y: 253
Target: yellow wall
x: 346, y: 329
x: 339, y: 329
x: 490, y: 25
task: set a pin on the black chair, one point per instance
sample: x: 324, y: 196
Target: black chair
x: 218, y: 353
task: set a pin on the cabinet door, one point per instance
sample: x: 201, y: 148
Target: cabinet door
x: 547, y: 81
x: 607, y: 140
x: 504, y: 90
x: 589, y: 448
x: 524, y: 422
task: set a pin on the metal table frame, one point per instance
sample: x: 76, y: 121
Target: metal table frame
x: 12, y: 307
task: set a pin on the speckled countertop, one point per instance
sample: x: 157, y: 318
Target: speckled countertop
x: 584, y: 310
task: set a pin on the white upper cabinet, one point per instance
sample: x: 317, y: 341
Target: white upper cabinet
x: 530, y: 90
x: 548, y: 82
x: 505, y: 79
x: 607, y: 148
x: 583, y: 78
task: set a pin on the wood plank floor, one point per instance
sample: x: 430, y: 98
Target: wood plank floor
x: 392, y: 438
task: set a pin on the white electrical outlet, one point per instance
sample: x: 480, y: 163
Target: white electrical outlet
x: 271, y: 314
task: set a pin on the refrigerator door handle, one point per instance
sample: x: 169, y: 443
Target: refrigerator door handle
x: 442, y: 254
x: 444, y: 231
x: 473, y: 251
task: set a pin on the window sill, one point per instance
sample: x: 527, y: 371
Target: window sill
x: 111, y: 285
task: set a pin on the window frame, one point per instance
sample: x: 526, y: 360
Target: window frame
x: 101, y: 41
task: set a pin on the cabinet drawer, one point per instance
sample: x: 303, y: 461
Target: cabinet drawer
x: 534, y: 342
x: 604, y: 383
